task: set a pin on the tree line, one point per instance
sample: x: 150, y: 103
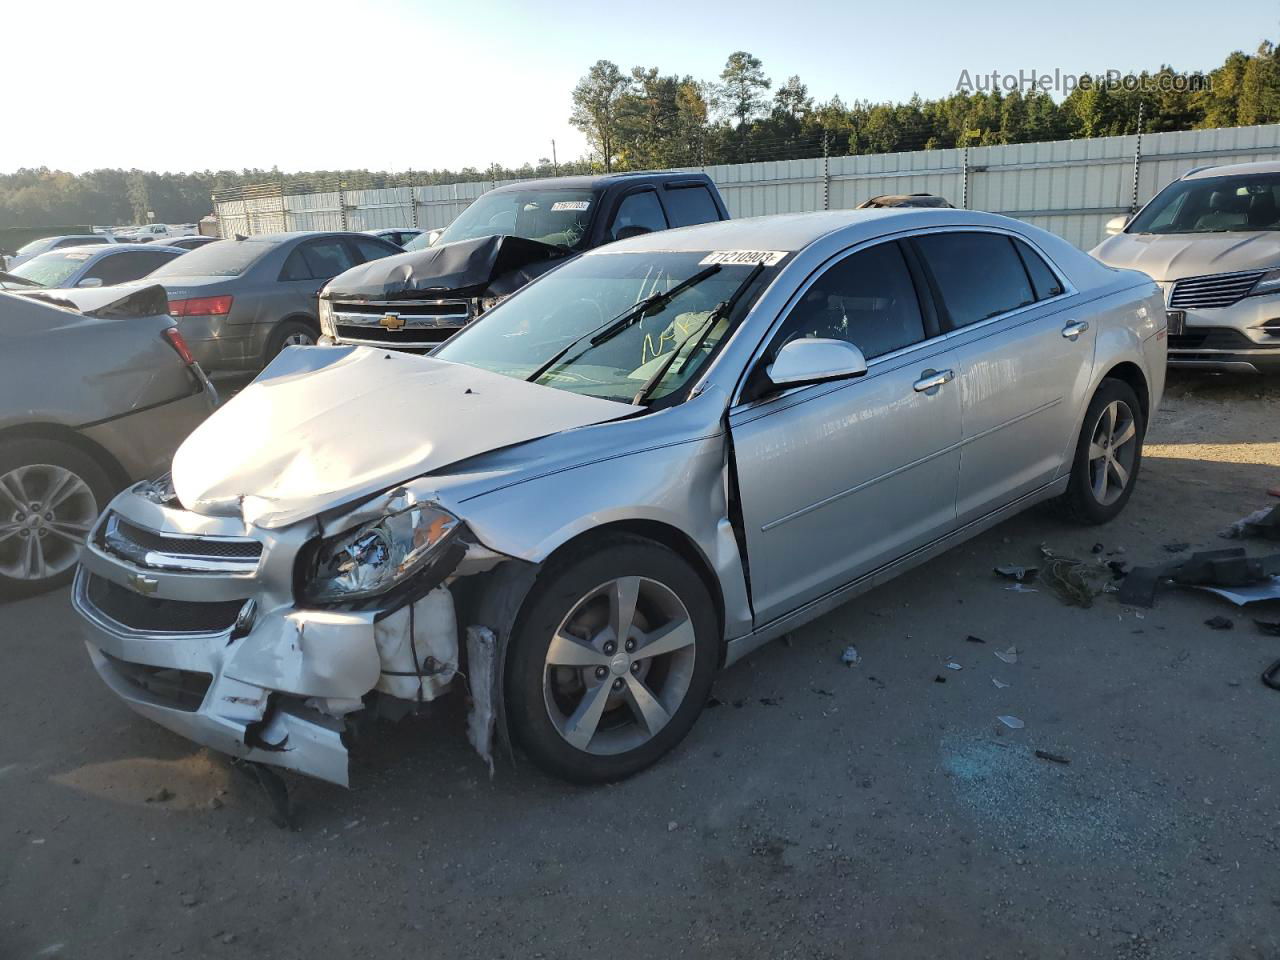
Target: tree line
x: 645, y: 119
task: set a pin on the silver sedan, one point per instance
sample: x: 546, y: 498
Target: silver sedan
x: 642, y: 466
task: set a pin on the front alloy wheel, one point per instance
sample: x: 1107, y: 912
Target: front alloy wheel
x: 611, y: 660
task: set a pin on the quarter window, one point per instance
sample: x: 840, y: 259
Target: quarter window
x: 1044, y: 281
x: 979, y: 275
x: 638, y: 213
x: 867, y: 299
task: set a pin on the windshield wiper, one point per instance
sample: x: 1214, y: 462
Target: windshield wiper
x: 610, y: 329
x: 718, y: 313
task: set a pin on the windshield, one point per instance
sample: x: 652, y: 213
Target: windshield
x: 559, y: 217
x: 51, y: 269
x: 577, y: 302
x: 1213, y: 205
x: 36, y: 246
x: 223, y: 258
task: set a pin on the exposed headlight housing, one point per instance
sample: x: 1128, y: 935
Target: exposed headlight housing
x: 376, y: 556
x: 1269, y: 282
x: 327, y: 327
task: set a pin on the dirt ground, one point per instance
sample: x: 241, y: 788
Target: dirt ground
x: 818, y: 811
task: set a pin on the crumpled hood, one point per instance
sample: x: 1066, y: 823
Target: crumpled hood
x: 465, y: 268
x: 1173, y: 256
x: 323, y: 426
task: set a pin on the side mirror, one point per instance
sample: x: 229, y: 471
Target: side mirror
x: 1117, y: 224
x: 433, y: 236
x: 90, y: 282
x: 816, y: 360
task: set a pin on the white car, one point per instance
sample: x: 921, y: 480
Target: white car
x: 1211, y: 239
x: 45, y: 244
x: 397, y: 235
x: 158, y: 231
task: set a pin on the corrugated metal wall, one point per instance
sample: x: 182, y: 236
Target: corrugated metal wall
x: 1071, y: 187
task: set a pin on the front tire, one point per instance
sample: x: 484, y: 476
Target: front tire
x: 50, y: 495
x: 611, y: 661
x: 1108, y: 455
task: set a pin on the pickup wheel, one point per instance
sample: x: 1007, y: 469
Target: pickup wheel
x: 1108, y: 455
x: 611, y: 661
x: 50, y: 495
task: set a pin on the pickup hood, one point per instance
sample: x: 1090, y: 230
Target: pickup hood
x: 468, y: 268
x: 325, y: 426
x: 1173, y: 256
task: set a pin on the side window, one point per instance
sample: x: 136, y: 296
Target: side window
x: 638, y: 213
x: 867, y: 299
x: 690, y: 205
x: 979, y: 275
x: 324, y: 259
x: 1044, y: 281
x: 119, y: 267
x: 370, y: 249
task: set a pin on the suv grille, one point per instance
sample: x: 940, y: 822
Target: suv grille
x: 147, y: 548
x: 1216, y: 290
x: 412, y: 323
x: 154, y: 615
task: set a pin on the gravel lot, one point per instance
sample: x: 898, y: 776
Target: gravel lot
x: 818, y: 811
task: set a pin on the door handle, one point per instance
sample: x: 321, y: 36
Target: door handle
x: 1072, y: 331
x: 932, y: 379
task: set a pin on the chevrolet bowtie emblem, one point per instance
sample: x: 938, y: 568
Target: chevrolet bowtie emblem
x: 143, y: 583
x: 392, y: 321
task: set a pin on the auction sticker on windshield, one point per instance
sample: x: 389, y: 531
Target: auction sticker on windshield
x: 749, y: 257
x: 570, y: 205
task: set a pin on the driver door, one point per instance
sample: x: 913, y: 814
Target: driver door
x: 837, y: 479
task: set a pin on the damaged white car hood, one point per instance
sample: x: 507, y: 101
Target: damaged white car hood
x: 323, y: 426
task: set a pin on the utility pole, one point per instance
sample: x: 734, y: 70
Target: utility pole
x: 555, y: 166
x: 1137, y: 161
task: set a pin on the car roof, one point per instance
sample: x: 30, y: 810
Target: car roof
x: 600, y: 181
x: 794, y: 231
x: 102, y: 249
x: 296, y: 235
x: 1234, y: 169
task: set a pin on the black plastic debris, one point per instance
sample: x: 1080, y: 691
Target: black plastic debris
x: 1211, y: 568
x: 714, y: 702
x: 1219, y: 623
x: 1271, y: 676
x: 939, y: 679
x: 972, y: 639
x: 1013, y: 571
x: 770, y: 701
x: 1270, y: 627
x: 1052, y: 757
x: 1177, y: 547
x: 1119, y: 569
x: 1098, y: 548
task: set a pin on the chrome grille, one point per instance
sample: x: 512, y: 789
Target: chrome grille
x: 400, y: 323
x: 1216, y: 290
x: 162, y: 551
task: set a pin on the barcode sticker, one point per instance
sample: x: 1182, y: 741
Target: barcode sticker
x: 749, y: 257
x: 560, y: 205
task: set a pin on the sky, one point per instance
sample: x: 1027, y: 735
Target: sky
x: 416, y: 84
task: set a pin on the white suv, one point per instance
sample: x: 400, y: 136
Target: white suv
x: 1211, y: 239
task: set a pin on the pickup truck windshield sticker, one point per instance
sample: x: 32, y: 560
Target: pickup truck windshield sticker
x: 749, y: 257
x: 570, y: 205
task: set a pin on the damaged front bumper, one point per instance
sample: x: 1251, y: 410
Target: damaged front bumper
x: 191, y: 621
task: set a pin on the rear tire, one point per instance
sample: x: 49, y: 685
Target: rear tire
x: 290, y: 333
x: 586, y: 707
x: 50, y: 495
x: 1108, y: 456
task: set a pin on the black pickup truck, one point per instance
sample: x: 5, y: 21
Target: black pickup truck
x: 507, y: 237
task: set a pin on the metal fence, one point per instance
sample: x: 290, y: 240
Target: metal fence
x: 1071, y: 187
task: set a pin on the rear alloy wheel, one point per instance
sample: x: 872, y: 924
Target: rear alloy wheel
x: 612, y: 663
x: 50, y: 495
x: 291, y: 333
x: 1108, y: 455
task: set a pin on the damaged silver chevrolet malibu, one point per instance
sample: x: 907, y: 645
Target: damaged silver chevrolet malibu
x: 634, y: 471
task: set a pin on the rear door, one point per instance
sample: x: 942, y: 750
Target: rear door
x: 838, y: 479
x: 689, y: 203
x: 1024, y: 359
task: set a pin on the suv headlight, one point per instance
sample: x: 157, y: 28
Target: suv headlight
x: 327, y: 327
x: 376, y: 556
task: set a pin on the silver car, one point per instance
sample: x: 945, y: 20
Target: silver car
x: 1211, y: 239
x: 639, y: 468
x: 104, y: 265
x: 97, y: 391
